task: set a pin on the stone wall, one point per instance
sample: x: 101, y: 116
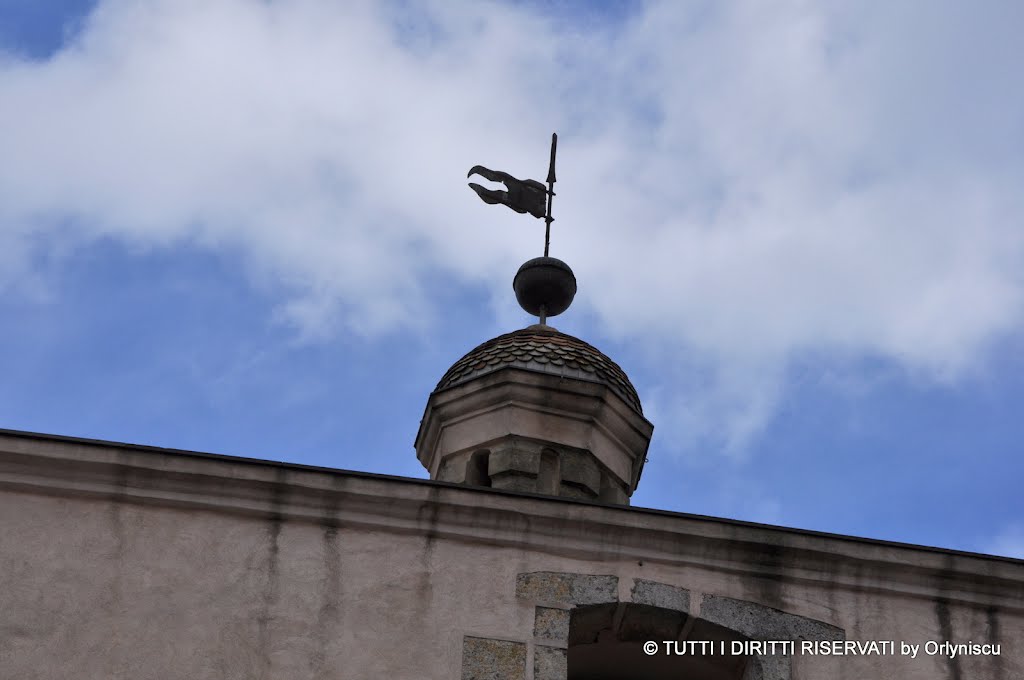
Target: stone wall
x: 125, y: 562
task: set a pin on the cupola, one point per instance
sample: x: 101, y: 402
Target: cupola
x: 536, y: 410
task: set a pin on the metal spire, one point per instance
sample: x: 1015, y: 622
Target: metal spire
x: 548, y: 219
x: 544, y: 286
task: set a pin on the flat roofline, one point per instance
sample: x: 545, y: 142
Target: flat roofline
x: 145, y: 448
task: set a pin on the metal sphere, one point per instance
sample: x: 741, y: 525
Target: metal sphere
x: 544, y: 282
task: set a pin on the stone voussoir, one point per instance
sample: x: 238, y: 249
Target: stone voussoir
x: 661, y: 595
x: 567, y: 588
x: 765, y: 623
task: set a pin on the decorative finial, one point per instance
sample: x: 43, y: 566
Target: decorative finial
x: 544, y: 286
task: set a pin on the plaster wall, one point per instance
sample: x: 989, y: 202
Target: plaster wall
x: 120, y: 562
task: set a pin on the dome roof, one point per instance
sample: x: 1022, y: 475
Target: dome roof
x: 545, y: 350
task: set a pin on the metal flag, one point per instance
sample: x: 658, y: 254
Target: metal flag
x: 523, y: 195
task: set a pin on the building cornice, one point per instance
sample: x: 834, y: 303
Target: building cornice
x: 64, y: 466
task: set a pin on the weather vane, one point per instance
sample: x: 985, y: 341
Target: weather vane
x: 544, y: 286
x: 523, y: 196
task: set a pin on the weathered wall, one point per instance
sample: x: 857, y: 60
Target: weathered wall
x: 118, y: 562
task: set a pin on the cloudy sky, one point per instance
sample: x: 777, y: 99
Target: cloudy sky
x: 243, y: 227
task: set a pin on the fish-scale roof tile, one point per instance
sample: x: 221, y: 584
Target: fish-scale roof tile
x: 544, y: 350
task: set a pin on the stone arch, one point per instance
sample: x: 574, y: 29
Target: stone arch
x: 477, y: 473
x: 606, y: 643
x: 574, y: 610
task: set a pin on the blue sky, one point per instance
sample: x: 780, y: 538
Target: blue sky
x: 242, y: 227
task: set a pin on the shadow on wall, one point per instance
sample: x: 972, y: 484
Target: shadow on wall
x: 606, y: 643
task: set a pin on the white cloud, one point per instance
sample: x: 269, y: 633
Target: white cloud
x: 738, y: 182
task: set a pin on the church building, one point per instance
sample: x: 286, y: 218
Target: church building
x: 520, y: 558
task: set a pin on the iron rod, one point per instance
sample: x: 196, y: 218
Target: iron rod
x: 548, y: 219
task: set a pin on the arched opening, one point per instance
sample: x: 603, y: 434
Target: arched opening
x: 606, y: 642
x: 476, y: 469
